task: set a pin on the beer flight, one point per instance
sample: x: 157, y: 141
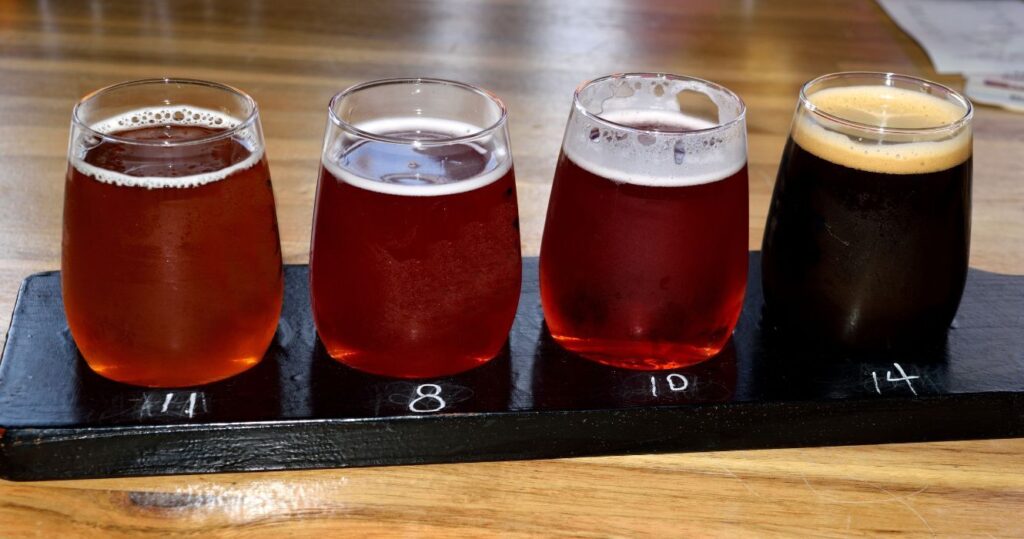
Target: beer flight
x: 172, y: 269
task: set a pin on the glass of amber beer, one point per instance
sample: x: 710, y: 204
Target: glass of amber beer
x: 643, y: 262
x: 171, y: 262
x: 868, y: 234
x: 415, y: 259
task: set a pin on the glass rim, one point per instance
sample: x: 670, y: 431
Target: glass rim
x: 887, y: 77
x: 444, y: 141
x: 227, y: 133
x: 719, y: 126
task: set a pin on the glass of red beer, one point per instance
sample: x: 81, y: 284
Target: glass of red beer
x: 171, y: 261
x: 643, y: 262
x: 415, y: 260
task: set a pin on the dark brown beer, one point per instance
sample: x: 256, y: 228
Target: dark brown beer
x: 171, y: 267
x: 866, y: 245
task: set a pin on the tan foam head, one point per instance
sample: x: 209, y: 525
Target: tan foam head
x: 877, y: 151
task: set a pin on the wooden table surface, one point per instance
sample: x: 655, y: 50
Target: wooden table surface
x: 292, y: 56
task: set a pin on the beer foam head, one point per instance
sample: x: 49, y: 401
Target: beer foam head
x: 180, y: 115
x: 900, y: 130
x: 391, y: 167
x: 634, y: 130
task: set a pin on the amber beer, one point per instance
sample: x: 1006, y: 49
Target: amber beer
x: 171, y: 265
x: 644, y: 255
x: 415, y: 258
x: 868, y: 235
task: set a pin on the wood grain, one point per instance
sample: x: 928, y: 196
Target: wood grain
x: 291, y: 56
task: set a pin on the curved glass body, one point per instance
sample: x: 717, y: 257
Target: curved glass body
x: 868, y: 235
x: 171, y: 261
x: 415, y: 261
x: 644, y: 257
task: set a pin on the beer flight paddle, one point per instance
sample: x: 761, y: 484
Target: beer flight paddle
x: 300, y: 409
x: 393, y: 346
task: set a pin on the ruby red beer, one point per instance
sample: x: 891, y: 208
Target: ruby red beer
x: 171, y: 262
x: 643, y: 262
x: 415, y: 257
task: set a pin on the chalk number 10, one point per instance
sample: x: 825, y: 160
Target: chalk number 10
x: 676, y: 382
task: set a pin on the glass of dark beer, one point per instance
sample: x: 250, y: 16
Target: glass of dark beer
x: 415, y: 261
x: 643, y: 261
x: 171, y: 262
x: 866, y: 245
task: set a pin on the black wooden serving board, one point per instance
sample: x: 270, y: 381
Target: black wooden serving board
x: 300, y: 409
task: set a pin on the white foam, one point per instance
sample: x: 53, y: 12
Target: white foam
x: 890, y: 153
x: 451, y: 128
x: 655, y: 159
x: 159, y: 116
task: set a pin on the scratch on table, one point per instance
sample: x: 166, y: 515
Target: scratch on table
x: 743, y: 482
x: 920, y: 517
x: 902, y: 500
x: 890, y: 497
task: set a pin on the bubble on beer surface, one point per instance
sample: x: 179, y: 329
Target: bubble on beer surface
x: 657, y: 151
x: 679, y: 152
x: 418, y: 166
x: 170, y: 116
x: 890, y: 153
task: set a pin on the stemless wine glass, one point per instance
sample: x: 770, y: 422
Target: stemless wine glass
x: 171, y: 263
x: 643, y: 262
x: 415, y: 260
x: 868, y: 235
